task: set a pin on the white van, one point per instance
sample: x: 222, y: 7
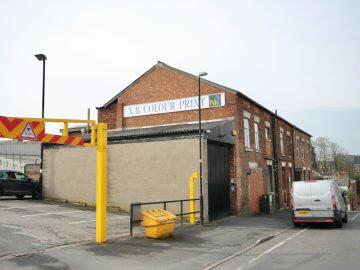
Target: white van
x: 317, y: 201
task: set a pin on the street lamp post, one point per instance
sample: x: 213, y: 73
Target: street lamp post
x: 42, y: 57
x: 201, y: 74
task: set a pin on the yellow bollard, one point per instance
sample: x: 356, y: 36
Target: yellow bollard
x: 101, y: 183
x: 192, y: 195
x: 66, y: 129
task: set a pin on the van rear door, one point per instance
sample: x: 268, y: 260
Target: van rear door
x: 322, y: 204
x: 302, y: 200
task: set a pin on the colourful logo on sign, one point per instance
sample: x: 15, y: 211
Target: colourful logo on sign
x: 215, y: 100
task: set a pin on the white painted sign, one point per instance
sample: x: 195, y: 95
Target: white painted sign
x: 175, y: 105
x: 28, y: 133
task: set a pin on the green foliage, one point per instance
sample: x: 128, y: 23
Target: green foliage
x: 357, y: 178
x: 314, y: 162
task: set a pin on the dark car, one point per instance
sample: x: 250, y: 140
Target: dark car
x: 18, y: 184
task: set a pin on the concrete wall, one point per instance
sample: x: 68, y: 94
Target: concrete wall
x: 137, y: 172
x: 69, y: 174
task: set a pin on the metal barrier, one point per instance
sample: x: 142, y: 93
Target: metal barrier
x: 135, y: 218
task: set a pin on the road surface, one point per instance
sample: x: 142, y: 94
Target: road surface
x: 305, y: 248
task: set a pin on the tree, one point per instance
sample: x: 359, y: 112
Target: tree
x: 314, y: 162
x: 338, y: 157
x: 329, y: 157
x: 322, y: 150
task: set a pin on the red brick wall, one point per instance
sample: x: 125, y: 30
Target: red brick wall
x: 232, y: 175
x: 108, y: 115
x: 305, y: 145
x: 284, y: 161
x: 165, y: 84
x: 243, y: 157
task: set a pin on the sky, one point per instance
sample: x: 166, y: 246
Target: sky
x: 299, y: 57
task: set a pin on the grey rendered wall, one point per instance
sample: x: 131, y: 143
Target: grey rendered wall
x: 137, y: 172
x: 69, y: 174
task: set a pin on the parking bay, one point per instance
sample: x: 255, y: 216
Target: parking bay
x: 27, y: 225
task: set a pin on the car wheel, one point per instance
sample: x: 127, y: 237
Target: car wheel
x: 338, y: 224
x: 345, y: 219
x: 36, y: 195
x: 19, y: 196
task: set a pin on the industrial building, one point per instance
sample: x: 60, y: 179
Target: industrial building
x: 153, y: 148
x: 20, y: 156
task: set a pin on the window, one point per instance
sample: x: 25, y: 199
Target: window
x: 20, y: 176
x: 302, y: 149
x: 257, y: 141
x: 307, y: 150
x: 5, y: 175
x: 297, y: 148
x: 290, y: 147
x: 282, y: 143
x: 267, y: 133
x: 247, y: 133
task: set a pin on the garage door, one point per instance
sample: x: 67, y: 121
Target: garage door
x: 218, y: 178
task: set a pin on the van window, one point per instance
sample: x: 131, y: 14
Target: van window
x: 320, y: 189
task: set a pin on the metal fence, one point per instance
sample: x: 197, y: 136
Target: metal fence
x: 17, y: 162
x: 136, y: 217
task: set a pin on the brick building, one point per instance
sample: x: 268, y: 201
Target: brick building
x: 267, y: 152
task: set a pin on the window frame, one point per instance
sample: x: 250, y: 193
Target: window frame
x: 25, y: 178
x: 257, y: 136
x: 290, y: 145
x: 281, y: 138
x: 267, y: 133
x: 297, y: 148
x: 247, y: 139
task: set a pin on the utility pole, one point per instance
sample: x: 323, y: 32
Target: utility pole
x: 42, y: 57
x: 200, y: 150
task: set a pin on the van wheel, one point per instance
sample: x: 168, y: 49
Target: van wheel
x: 345, y: 219
x: 19, y: 196
x: 296, y: 224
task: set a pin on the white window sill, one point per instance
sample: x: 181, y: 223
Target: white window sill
x: 258, y: 151
x: 248, y: 149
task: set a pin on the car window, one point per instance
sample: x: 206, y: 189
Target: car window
x: 7, y: 175
x: 20, y: 176
x: 4, y: 175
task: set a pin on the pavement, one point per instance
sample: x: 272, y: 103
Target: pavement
x: 37, y: 235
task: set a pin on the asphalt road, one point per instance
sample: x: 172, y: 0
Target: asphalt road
x: 41, y: 235
x: 43, y: 231
x: 316, y: 247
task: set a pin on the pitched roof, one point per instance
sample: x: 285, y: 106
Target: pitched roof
x: 161, y: 64
x: 238, y: 93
